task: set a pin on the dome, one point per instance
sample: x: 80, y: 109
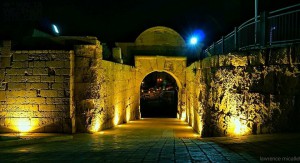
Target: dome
x: 160, y: 36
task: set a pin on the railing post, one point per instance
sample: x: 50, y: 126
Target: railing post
x: 263, y: 28
x: 214, y: 49
x: 235, y: 39
x: 222, y: 50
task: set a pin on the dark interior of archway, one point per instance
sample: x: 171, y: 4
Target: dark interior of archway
x: 159, y: 96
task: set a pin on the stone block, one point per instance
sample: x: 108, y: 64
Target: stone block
x: 48, y: 93
x: 55, y: 56
x: 21, y: 94
x: 59, y: 101
x: 22, y: 79
x: 18, y: 71
x: 20, y: 64
x: 13, y: 100
x: 24, y: 108
x: 16, y: 86
x: 55, y: 64
x: 33, y: 79
x: 40, y: 71
x: 2, y: 95
x: 47, y: 78
x: 35, y: 100
x: 67, y: 64
x: 59, y: 78
x: 39, y: 64
x: 30, y: 64
x: 61, y: 93
x: 35, y: 86
x: 58, y: 86
x: 63, y: 71
x: 5, y: 61
x: 62, y: 108
x: 20, y: 57
x: 47, y: 108
x: 3, y: 86
x: 2, y: 74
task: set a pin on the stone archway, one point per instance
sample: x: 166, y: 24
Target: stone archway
x: 175, y: 66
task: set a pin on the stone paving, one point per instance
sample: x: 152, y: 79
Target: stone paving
x: 156, y: 140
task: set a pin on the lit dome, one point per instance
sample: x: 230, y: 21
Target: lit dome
x: 160, y: 36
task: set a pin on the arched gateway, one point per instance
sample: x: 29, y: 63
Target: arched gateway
x: 175, y: 66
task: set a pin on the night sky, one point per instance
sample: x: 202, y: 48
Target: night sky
x: 117, y: 21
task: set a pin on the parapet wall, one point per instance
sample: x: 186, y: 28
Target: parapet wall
x: 34, y: 90
x: 252, y: 93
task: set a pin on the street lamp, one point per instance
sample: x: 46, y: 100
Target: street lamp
x: 193, y: 40
x: 271, y: 34
x: 255, y: 19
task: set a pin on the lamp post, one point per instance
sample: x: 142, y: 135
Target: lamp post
x: 255, y: 18
x: 271, y: 34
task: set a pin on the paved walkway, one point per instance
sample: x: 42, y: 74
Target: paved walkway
x: 156, y: 140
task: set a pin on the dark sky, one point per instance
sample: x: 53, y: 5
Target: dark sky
x: 124, y: 20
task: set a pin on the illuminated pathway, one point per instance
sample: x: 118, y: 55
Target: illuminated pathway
x: 153, y: 140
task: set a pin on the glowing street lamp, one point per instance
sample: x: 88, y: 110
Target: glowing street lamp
x: 193, y: 40
x: 197, y: 37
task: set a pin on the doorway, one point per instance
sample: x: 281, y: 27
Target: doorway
x: 159, y: 96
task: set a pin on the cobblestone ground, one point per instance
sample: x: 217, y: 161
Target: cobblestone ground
x: 156, y: 140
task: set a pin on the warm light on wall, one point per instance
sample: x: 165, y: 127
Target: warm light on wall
x: 23, y: 124
x: 183, y: 116
x: 116, y: 119
x: 236, y: 127
x: 128, y: 115
x: 96, y: 125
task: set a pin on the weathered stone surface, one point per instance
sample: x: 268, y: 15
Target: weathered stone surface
x: 29, y: 85
x: 260, y: 97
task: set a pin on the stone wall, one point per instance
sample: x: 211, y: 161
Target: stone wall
x: 104, y: 95
x: 252, y: 93
x: 34, y: 90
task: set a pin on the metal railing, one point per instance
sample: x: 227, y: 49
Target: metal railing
x: 276, y: 28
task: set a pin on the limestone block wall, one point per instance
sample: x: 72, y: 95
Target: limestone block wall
x: 34, y: 90
x: 103, y: 90
x: 252, y: 93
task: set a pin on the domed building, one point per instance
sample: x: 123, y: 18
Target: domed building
x: 160, y: 36
x: 155, y: 41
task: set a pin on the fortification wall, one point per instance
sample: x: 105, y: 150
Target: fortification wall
x: 252, y: 93
x: 34, y: 90
x: 104, y: 95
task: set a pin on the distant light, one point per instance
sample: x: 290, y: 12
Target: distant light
x: 55, y: 29
x: 194, y: 40
x: 196, y: 37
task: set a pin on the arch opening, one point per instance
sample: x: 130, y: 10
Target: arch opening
x: 159, y: 96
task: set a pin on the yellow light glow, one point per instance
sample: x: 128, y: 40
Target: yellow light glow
x: 96, y: 125
x: 183, y: 116
x: 237, y: 127
x: 128, y: 115
x: 23, y: 125
x: 116, y: 119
